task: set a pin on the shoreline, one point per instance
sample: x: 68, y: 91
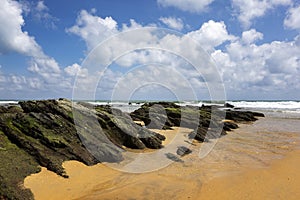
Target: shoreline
x: 220, y: 172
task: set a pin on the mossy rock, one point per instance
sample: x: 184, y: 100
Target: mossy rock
x: 16, y: 164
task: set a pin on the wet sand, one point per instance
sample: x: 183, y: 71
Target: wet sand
x: 256, y: 161
x: 279, y: 181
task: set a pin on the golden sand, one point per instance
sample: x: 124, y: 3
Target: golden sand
x: 238, y: 168
x: 103, y: 182
x: 279, y: 181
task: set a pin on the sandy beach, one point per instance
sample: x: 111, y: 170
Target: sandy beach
x: 279, y: 181
x: 149, y: 100
x: 256, y: 161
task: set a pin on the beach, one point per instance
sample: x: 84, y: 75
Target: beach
x: 280, y: 180
x: 162, y: 99
x: 256, y: 161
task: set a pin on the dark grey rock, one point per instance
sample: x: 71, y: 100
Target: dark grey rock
x: 182, y: 151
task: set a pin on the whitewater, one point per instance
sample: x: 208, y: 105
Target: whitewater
x: 289, y: 108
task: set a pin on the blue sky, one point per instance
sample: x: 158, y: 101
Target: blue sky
x: 45, y: 46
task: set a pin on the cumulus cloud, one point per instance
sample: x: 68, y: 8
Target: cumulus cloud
x: 76, y: 70
x: 14, y: 40
x: 268, y: 67
x: 211, y: 34
x: 251, y: 36
x: 252, y: 9
x: 149, y: 56
x: 243, y: 64
x: 171, y: 22
x: 154, y: 78
x: 148, y: 46
x: 292, y: 20
x: 93, y: 29
x: 193, y: 6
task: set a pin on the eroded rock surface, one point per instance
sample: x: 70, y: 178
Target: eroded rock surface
x: 43, y: 133
x: 208, y: 122
x: 49, y: 132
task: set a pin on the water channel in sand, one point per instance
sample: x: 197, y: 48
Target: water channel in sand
x: 251, y: 147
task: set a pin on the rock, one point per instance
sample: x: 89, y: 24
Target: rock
x: 227, y: 126
x: 206, y: 119
x: 182, y: 151
x: 199, y: 134
x: 228, y: 105
x: 173, y: 157
x: 241, y: 116
x: 48, y: 132
x: 258, y: 114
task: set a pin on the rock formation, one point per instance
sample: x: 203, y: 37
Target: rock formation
x: 48, y: 132
x: 208, y: 122
x: 43, y: 133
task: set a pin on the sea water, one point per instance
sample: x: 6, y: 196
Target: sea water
x: 283, y: 109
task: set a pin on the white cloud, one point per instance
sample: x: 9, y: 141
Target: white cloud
x: 93, y: 29
x: 41, y: 13
x: 14, y: 40
x: 41, y: 7
x: 136, y: 42
x: 76, y: 70
x: 193, y: 6
x: 252, y: 9
x: 18, y: 83
x: 292, y: 19
x: 35, y: 83
x: 45, y: 67
x: 270, y: 67
x: 211, y: 34
x: 243, y: 64
x: 171, y: 22
x: 251, y: 36
x: 133, y: 25
x: 155, y: 80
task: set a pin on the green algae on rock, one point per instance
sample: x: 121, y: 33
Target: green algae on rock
x: 215, y: 120
x: 48, y: 132
x: 43, y: 133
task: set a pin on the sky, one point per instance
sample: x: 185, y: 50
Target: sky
x: 150, y: 49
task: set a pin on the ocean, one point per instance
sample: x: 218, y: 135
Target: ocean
x: 284, y: 109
